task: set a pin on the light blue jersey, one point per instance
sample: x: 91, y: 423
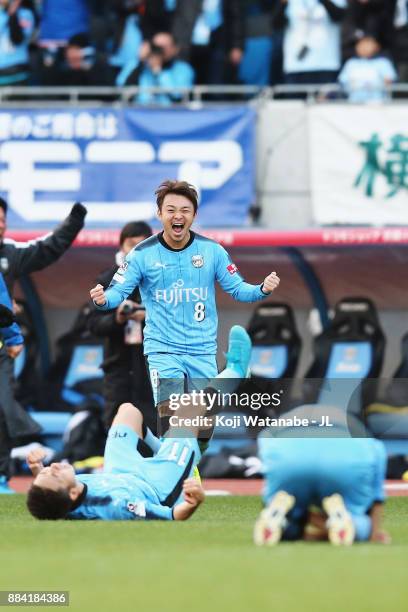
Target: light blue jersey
x: 114, y: 497
x: 177, y: 288
x: 366, y: 79
x: 133, y: 487
x: 312, y: 468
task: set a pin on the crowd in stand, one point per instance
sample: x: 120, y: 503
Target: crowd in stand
x: 362, y: 44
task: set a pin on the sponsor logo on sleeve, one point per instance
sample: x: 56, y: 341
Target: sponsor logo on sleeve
x: 232, y: 268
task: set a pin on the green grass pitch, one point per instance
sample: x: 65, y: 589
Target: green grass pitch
x: 207, y: 564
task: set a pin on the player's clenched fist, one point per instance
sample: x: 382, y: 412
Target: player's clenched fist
x: 98, y: 295
x: 193, y: 492
x: 270, y: 283
x: 34, y: 460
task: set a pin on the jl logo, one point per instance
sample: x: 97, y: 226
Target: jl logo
x: 197, y: 261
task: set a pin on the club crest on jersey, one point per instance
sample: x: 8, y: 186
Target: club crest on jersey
x: 197, y: 261
x: 232, y: 268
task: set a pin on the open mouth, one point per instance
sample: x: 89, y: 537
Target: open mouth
x: 177, y: 228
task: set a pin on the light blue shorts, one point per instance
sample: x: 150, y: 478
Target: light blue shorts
x: 165, y: 472
x: 171, y: 373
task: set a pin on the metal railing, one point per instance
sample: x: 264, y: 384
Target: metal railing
x: 193, y: 97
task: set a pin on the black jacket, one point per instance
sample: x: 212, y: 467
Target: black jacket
x: 126, y: 378
x: 187, y: 11
x: 104, y: 325
x: 19, y: 258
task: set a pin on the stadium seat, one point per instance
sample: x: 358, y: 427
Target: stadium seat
x: 53, y: 427
x: 275, y: 340
x: 349, y: 352
x: 387, y: 417
x: 76, y: 371
x: 274, y: 359
x: 74, y: 377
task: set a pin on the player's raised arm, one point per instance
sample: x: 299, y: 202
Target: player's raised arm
x: 232, y: 282
x: 193, y: 497
x: 124, y: 282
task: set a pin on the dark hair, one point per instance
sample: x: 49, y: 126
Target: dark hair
x: 46, y: 504
x: 179, y: 188
x: 81, y: 40
x: 133, y: 229
x: 3, y: 205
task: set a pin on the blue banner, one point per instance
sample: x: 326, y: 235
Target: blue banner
x: 114, y: 160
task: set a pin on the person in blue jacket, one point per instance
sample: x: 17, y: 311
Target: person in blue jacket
x: 160, y: 67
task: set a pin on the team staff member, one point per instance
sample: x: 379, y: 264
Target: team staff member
x: 11, y: 344
x: 16, y: 260
x: 125, y: 374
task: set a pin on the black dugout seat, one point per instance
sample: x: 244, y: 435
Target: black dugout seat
x: 350, y: 350
x: 387, y: 417
x: 274, y: 358
x: 275, y: 342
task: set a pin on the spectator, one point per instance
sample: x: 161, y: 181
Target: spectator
x: 101, y: 25
x: 367, y: 17
x: 366, y: 76
x: 170, y: 11
x: 211, y: 38
x: 83, y: 65
x: 262, y: 60
x: 16, y: 28
x: 311, y: 43
x: 399, y: 44
x: 60, y: 20
x: 137, y: 20
x: 126, y: 378
x: 162, y: 68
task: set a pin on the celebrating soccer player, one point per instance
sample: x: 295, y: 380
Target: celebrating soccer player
x: 131, y: 486
x: 321, y: 485
x: 176, y: 271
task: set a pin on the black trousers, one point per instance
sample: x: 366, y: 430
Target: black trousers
x: 16, y: 425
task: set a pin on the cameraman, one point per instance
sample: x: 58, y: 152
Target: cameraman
x: 161, y: 68
x: 126, y: 378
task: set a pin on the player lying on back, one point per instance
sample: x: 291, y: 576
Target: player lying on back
x: 321, y: 488
x: 131, y: 486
